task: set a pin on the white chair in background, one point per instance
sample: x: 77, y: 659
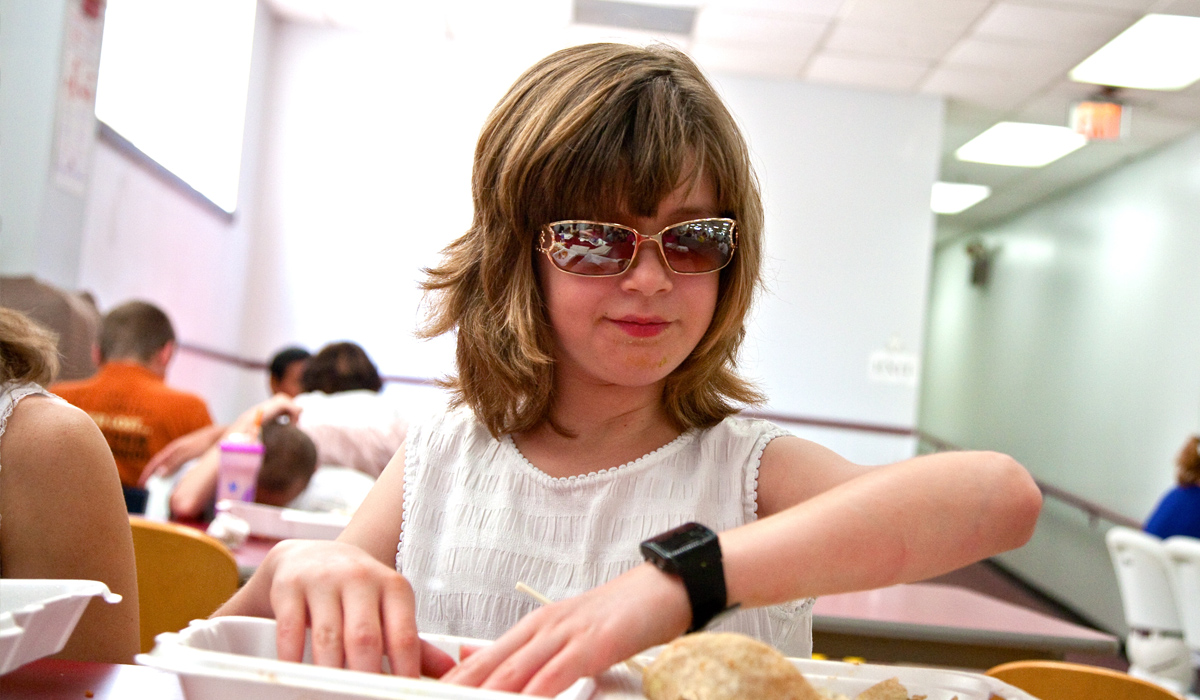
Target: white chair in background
x: 1184, y: 555
x: 1155, y: 645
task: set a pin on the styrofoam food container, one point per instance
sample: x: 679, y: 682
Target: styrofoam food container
x: 286, y: 523
x: 234, y: 657
x: 37, y: 616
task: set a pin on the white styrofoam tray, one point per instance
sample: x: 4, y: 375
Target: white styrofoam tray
x: 235, y: 657
x: 286, y: 523
x: 37, y: 616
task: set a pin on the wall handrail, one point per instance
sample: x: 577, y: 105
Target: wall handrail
x: 259, y: 365
x: 1094, y: 511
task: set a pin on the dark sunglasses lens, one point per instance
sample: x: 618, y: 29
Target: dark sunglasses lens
x: 586, y: 248
x: 699, y: 246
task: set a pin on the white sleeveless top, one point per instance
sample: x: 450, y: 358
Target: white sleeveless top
x: 10, y: 394
x: 478, y: 518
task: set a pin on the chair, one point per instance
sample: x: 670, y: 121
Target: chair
x: 182, y: 574
x: 1184, y: 556
x: 1155, y: 645
x: 1059, y: 680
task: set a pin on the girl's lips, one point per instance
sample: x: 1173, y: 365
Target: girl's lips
x: 641, y: 328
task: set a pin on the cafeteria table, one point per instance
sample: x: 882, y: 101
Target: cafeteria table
x: 58, y: 679
x: 944, y: 625
x: 250, y: 554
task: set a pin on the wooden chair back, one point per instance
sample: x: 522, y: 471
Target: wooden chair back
x: 1059, y: 680
x: 182, y: 574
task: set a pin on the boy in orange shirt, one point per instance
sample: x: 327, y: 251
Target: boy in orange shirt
x: 128, y: 397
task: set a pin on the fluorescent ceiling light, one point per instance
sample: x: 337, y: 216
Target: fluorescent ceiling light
x: 1159, y: 52
x: 1020, y: 144
x: 954, y: 197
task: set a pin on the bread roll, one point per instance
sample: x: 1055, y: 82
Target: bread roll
x: 723, y: 666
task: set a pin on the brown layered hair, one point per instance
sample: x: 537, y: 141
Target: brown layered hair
x: 1188, y: 463
x: 135, y: 330
x: 28, y: 352
x: 588, y: 132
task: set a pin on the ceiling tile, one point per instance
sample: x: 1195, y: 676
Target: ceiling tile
x: 979, y: 86
x: 575, y: 34
x: 777, y: 61
x: 953, y: 15
x: 863, y: 71
x: 1152, y: 128
x: 1179, y: 105
x: 1045, y: 25
x: 1133, y: 6
x: 816, y: 8
x: 730, y: 26
x: 1013, y: 58
x: 900, y: 42
x: 1179, y: 7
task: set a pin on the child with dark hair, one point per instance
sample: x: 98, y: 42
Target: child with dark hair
x: 287, y: 369
x: 338, y: 367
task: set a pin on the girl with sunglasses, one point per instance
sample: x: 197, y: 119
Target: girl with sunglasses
x: 599, y: 300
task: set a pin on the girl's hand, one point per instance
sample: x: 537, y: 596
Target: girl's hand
x: 358, y: 609
x: 552, y: 647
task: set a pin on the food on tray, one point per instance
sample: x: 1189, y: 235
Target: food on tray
x: 729, y: 666
x: 723, y: 666
x: 887, y: 690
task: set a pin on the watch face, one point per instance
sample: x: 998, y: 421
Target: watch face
x: 679, y: 543
x: 684, y: 539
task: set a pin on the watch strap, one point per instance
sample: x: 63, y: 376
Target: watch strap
x: 693, y: 553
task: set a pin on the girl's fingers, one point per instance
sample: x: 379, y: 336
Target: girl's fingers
x: 568, y: 665
x: 362, y: 637
x: 515, y: 672
x: 474, y: 668
x: 509, y: 663
x: 325, y: 617
x: 291, y: 623
x: 434, y: 662
x: 403, y: 646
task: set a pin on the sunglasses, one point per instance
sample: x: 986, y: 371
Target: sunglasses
x: 595, y: 249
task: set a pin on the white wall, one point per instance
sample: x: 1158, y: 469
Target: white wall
x: 40, y: 223
x: 144, y: 239
x: 1081, y: 358
x: 846, y: 177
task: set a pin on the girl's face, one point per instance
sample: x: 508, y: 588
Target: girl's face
x: 636, y: 328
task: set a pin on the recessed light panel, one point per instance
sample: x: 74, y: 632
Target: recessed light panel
x: 1020, y: 144
x: 1159, y: 52
x: 954, y: 197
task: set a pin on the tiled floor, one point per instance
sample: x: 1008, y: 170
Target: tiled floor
x: 989, y: 579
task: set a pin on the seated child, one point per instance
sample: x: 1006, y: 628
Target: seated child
x: 290, y: 477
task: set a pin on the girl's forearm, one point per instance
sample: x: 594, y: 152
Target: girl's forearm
x: 895, y: 524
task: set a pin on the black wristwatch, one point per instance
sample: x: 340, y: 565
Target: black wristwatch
x: 693, y: 553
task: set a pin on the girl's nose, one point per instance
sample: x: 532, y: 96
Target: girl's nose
x: 648, y: 273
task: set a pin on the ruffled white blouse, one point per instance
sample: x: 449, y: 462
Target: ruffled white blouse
x: 478, y: 518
